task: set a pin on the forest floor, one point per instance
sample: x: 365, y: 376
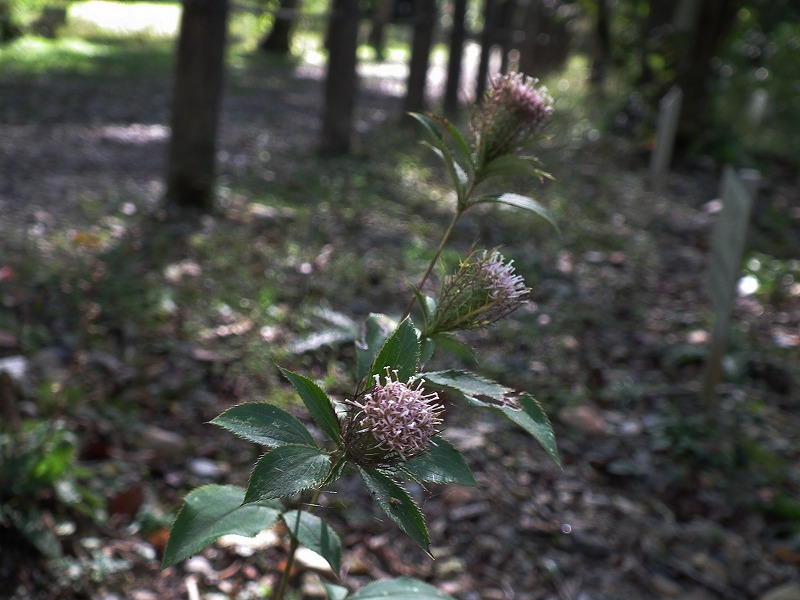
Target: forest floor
x: 127, y: 335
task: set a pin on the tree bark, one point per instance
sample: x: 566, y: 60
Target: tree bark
x: 687, y: 34
x: 279, y: 38
x: 424, y: 21
x: 547, y: 41
x: 381, y: 15
x: 601, y: 45
x: 196, y: 99
x: 712, y: 26
x: 492, y: 11
x: 341, y: 80
x: 457, y: 38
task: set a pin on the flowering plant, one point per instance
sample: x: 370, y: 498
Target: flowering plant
x: 388, y: 430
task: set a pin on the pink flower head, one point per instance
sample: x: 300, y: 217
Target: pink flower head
x: 506, y: 290
x: 512, y: 114
x: 482, y: 291
x: 399, y: 418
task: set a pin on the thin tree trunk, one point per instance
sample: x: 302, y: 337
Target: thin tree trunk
x: 341, y: 80
x: 454, y: 60
x: 381, y: 15
x: 710, y: 29
x: 601, y: 45
x: 279, y: 38
x: 196, y: 99
x: 491, y: 13
x: 424, y: 21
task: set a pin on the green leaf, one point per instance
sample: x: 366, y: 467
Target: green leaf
x: 430, y: 125
x: 397, y: 504
x: 441, y: 464
x: 212, y: 511
x: 459, y: 349
x: 264, y: 424
x: 335, y: 592
x: 400, y: 352
x: 533, y: 419
x: 520, y: 201
x: 525, y: 411
x: 440, y: 148
x: 285, y: 471
x: 401, y: 588
x: 428, y: 347
x: 427, y: 305
x: 469, y: 385
x: 509, y: 165
x: 313, y: 533
x: 461, y: 143
x: 377, y: 329
x: 317, y: 402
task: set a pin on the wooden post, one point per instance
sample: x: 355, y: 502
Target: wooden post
x: 727, y: 248
x: 669, y: 110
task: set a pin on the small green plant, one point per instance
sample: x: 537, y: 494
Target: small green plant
x: 39, y: 472
x: 388, y: 429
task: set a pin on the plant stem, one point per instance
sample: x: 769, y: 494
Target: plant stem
x: 445, y: 239
x: 293, y: 545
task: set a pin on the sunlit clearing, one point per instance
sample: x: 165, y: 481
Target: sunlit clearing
x: 31, y: 48
x: 134, y: 18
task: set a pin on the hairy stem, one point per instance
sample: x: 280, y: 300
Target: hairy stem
x: 442, y: 244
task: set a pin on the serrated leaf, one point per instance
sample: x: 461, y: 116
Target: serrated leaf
x: 401, y: 588
x: 377, y: 328
x: 317, y: 403
x: 212, y: 511
x: 397, y: 504
x: 470, y: 385
x: 520, y: 201
x: 400, y: 352
x: 428, y: 347
x: 533, y: 419
x: 441, y: 464
x: 525, y: 411
x: 264, y: 424
x: 285, y: 471
x: 313, y: 533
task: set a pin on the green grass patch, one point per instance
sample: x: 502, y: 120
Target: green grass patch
x: 34, y: 56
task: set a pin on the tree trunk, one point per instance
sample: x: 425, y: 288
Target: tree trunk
x: 457, y: 37
x: 196, y: 99
x: 424, y: 21
x: 601, y: 45
x: 381, y: 15
x: 711, y: 28
x: 341, y: 80
x: 686, y: 35
x: 655, y: 31
x: 279, y: 38
x: 547, y: 40
x: 492, y: 11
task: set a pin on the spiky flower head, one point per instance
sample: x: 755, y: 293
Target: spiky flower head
x: 512, y: 114
x: 392, y: 422
x: 484, y: 289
